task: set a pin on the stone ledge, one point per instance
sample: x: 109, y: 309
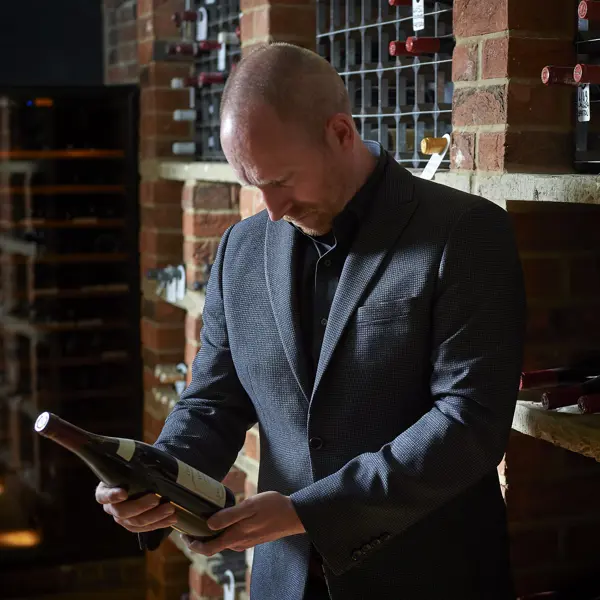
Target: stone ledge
x: 575, y: 432
x: 197, y: 171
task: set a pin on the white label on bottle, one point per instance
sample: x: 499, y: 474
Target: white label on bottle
x: 126, y: 449
x: 418, y: 15
x: 583, y: 103
x: 201, y: 484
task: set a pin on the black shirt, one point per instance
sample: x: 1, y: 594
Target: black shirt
x: 320, y: 260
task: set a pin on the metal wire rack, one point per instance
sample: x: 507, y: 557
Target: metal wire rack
x: 398, y: 99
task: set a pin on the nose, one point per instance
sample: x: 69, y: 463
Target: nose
x: 277, y: 205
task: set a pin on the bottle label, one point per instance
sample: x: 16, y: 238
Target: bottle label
x: 583, y: 103
x: 126, y: 449
x: 201, y: 484
x: 418, y: 15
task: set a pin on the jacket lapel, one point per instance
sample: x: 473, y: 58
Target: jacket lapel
x: 280, y: 248
x: 391, y: 212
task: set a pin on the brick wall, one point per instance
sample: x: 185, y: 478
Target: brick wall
x: 503, y: 119
x: 120, y: 41
x: 551, y: 493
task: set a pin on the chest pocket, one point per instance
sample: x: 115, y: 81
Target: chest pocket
x: 383, y: 312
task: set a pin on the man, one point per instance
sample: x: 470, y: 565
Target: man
x: 372, y: 323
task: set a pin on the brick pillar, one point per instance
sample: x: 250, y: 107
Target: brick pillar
x: 504, y: 119
x: 266, y: 21
x: 120, y: 41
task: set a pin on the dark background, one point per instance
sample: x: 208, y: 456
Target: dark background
x: 51, y: 42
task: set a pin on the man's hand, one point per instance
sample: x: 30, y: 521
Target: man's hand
x: 262, y: 518
x: 141, y: 514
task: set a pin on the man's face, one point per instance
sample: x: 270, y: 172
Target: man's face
x: 301, y: 180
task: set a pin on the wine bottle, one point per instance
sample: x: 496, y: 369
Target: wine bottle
x: 429, y: 45
x: 569, y: 394
x: 199, y: 81
x: 590, y: 403
x: 558, y: 75
x: 398, y: 48
x: 531, y: 380
x: 432, y: 145
x: 589, y: 10
x: 188, y: 114
x: 192, y: 49
x: 186, y: 16
x: 140, y: 469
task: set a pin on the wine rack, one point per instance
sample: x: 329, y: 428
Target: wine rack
x: 210, y: 43
x: 69, y: 277
x: 397, y: 67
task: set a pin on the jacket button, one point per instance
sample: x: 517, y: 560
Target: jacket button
x: 315, y: 443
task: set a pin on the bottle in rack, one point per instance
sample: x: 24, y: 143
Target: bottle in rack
x: 430, y: 45
x: 558, y: 75
x: 546, y: 378
x: 191, y: 49
x: 569, y: 394
x: 141, y: 468
x: 201, y: 80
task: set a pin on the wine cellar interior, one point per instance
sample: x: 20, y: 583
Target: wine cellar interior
x: 115, y: 192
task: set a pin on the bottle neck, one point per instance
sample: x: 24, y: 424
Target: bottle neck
x: 66, y: 434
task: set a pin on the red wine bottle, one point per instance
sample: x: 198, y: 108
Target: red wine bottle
x: 141, y: 468
x: 429, y: 45
x: 531, y: 380
x: 569, y: 394
x: 199, y: 81
x: 557, y: 75
x: 589, y: 10
x: 589, y: 403
x: 192, y: 49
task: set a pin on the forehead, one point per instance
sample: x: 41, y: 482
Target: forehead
x: 262, y: 151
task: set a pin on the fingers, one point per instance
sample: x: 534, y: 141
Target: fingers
x: 132, y: 508
x: 109, y: 495
x: 230, y: 539
x: 157, y: 518
x: 229, y: 516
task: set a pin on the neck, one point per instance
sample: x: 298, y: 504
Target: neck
x: 363, y: 165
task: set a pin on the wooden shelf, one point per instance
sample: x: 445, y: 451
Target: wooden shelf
x: 59, y: 154
x: 83, y: 395
x: 91, y: 291
x: 85, y: 361
x: 82, y: 223
x: 81, y: 258
x: 32, y: 329
x: 57, y: 190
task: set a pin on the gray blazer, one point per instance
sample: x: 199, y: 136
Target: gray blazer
x: 410, y: 410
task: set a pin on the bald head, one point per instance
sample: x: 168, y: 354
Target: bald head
x: 300, y: 86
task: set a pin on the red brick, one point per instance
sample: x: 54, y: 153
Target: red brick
x: 162, y: 312
x: 523, y: 57
x: 199, y: 253
x: 283, y: 21
x: 208, y: 224
x: 127, y: 33
x: 478, y: 17
x: 543, y: 277
x: 479, y: 106
x: 122, y: 73
x: 160, y: 336
x: 555, y: 17
x: 163, y: 217
x: 535, y: 104
x: 562, y: 228
x: 203, y: 585
x: 235, y: 480
x: 247, y: 202
x: 525, y: 151
x: 194, y: 275
x: 158, y: 100
x: 163, y: 124
x: 211, y: 196
x: 159, y: 74
x: 149, y: 380
x: 462, y: 151
x: 168, y: 568
x: 585, y: 277
x: 152, y: 356
x: 464, y: 63
x: 127, y: 52
x: 155, y: 241
x: 193, y: 326
x: 161, y: 192
x: 158, y: 147
x: 531, y: 548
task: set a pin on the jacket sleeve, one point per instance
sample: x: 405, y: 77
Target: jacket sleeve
x: 477, y: 344
x: 207, y: 427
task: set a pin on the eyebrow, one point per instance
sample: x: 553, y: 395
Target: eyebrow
x: 266, y: 182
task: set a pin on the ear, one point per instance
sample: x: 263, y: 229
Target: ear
x: 341, y: 131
